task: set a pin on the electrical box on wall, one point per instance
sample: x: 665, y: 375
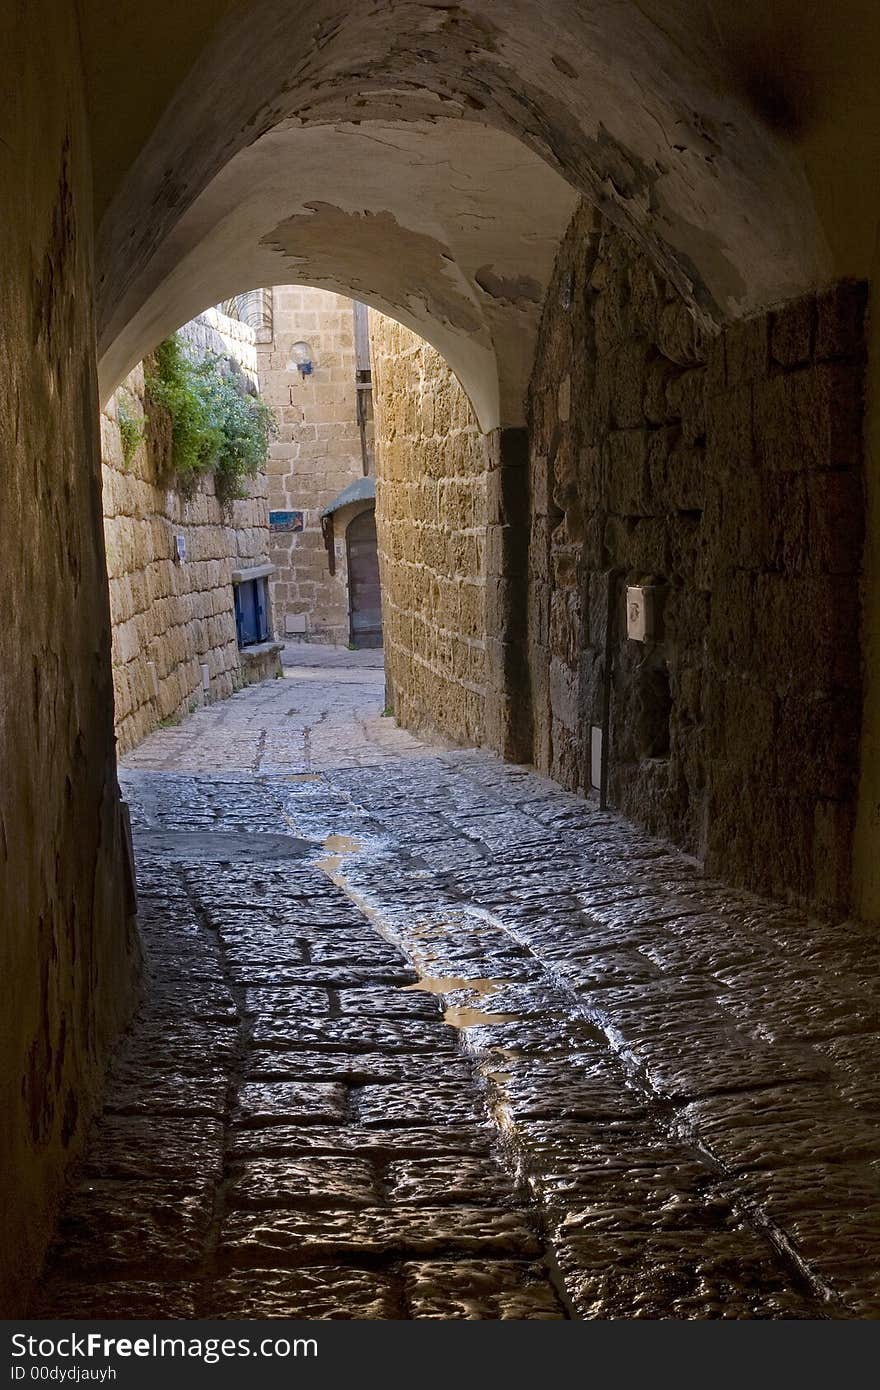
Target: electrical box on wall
x: 640, y: 613
x: 596, y: 757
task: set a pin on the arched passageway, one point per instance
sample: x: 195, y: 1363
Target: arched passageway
x: 461, y: 136
x: 620, y: 226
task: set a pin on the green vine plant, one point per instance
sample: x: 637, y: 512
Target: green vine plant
x: 205, y: 419
x: 131, y: 429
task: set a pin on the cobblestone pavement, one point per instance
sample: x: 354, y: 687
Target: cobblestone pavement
x: 425, y: 1036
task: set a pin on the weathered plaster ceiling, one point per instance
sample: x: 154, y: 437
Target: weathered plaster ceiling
x: 453, y: 236
x: 308, y: 136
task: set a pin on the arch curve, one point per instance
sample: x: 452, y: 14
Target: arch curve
x: 426, y: 157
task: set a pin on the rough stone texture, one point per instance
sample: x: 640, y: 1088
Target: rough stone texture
x: 660, y: 1088
x: 317, y: 453
x: 431, y: 501
x: 209, y: 1191
x: 170, y: 618
x: 67, y: 952
x: 729, y: 473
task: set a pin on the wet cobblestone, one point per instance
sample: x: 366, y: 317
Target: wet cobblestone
x: 618, y: 1089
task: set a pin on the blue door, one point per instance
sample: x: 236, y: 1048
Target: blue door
x: 251, y: 612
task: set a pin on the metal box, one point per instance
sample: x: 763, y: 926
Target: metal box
x: 640, y: 613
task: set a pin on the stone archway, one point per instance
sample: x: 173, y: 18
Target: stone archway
x: 234, y: 145
x: 427, y: 161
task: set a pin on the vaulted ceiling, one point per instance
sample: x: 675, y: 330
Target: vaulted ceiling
x: 426, y: 157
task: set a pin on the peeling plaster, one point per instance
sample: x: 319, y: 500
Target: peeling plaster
x: 636, y: 106
x: 419, y: 213
x: 511, y: 290
x: 429, y: 264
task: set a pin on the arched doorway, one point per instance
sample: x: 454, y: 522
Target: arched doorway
x: 364, y: 595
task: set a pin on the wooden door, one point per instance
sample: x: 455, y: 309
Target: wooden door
x: 364, y: 598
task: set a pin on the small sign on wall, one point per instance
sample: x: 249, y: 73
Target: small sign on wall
x: 286, y: 521
x: 180, y: 549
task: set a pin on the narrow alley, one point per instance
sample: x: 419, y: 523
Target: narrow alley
x: 423, y: 1035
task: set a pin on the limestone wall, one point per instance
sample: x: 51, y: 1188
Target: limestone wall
x: 729, y: 472
x: 67, y: 946
x: 172, y: 617
x: 214, y: 333
x: 431, y: 491
x: 316, y: 455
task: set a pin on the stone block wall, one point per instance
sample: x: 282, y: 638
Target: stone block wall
x: 728, y: 473
x: 216, y: 334
x: 317, y: 453
x: 432, y: 464
x: 172, y: 617
x: 68, y: 953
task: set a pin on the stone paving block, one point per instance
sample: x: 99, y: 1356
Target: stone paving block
x: 289, y: 1102
x: 518, y: 1001
x: 605, y: 1169
x: 681, y: 1274
x: 166, y: 959
x: 290, y: 1140
x: 327, y: 914
x: 200, y: 1000
x: 710, y: 946
x: 285, y: 1002
x: 170, y: 918
x: 237, y: 896
x: 445, y: 1103
x: 466, y: 960
x: 552, y: 1146
x: 781, y: 1127
x: 156, y: 1146
x: 323, y: 1292
x: 355, y: 1035
x: 808, y: 1007
x: 716, y: 1061
x: 328, y: 950
x: 338, y: 976
x: 855, y: 1075
x: 242, y: 955
x: 140, y: 1091
x: 648, y: 1209
x: 541, y: 1037
x: 577, y: 1089
x: 168, y: 1298
x: 290, y: 1237
x: 254, y: 922
x: 356, y: 1068
x: 320, y: 1180
x: 387, y: 1001
x: 449, y: 1181
x: 107, y: 1225
x: 588, y: 972
x: 468, y: 1289
x: 266, y: 934
x: 152, y: 1038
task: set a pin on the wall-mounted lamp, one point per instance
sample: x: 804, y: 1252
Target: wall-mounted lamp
x: 301, y: 359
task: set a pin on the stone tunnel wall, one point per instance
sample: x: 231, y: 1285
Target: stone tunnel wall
x: 431, y: 471
x: 729, y: 473
x: 170, y: 618
x: 67, y: 946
